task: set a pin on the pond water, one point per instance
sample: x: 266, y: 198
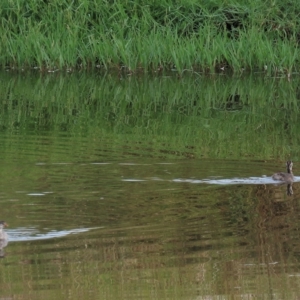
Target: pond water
x: 148, y: 188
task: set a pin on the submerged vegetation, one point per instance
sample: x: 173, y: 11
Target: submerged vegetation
x: 140, y: 36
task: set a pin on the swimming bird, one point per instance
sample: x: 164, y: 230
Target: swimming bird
x: 3, y: 234
x: 3, y: 238
x: 285, y: 177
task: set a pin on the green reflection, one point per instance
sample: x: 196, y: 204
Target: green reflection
x: 163, y: 116
x: 155, y: 238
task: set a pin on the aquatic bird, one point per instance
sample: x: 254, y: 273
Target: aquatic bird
x: 285, y: 177
x: 3, y: 238
x: 3, y: 234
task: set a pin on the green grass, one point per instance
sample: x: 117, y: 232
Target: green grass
x: 141, y: 36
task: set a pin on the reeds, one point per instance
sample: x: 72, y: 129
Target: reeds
x: 135, y: 36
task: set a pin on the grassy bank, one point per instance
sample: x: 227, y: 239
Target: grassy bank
x: 138, y: 36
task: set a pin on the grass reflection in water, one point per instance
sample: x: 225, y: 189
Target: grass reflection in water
x: 96, y: 151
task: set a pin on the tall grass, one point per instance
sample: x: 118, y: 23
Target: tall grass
x: 138, y: 35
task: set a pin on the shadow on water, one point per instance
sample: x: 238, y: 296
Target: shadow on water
x: 153, y: 188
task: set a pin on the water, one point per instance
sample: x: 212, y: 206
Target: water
x: 106, y: 207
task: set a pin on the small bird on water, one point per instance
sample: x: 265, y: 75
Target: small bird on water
x: 3, y: 238
x: 3, y: 234
x: 285, y: 177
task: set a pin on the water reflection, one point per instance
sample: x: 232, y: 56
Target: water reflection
x: 151, y: 234
x: 151, y: 116
x: 289, y: 189
x: 126, y: 189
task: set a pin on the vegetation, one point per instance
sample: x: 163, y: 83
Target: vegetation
x: 140, y: 36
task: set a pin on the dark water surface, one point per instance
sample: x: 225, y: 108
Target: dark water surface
x: 106, y: 202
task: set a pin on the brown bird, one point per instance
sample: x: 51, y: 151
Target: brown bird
x: 285, y: 177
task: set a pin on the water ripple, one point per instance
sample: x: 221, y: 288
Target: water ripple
x: 32, y: 234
